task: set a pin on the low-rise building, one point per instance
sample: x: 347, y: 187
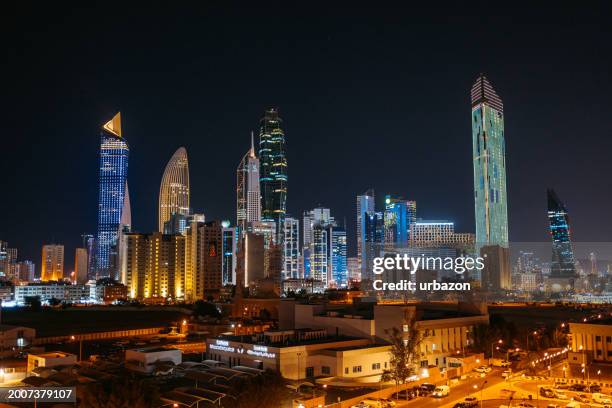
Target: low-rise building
x: 591, y: 341
x: 145, y: 360
x: 48, y: 291
x: 50, y: 359
x: 13, y: 338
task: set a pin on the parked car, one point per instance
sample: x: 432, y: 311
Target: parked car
x: 360, y: 405
x: 600, y: 398
x: 426, y: 389
x: 441, y: 391
x: 594, y: 388
x: 506, y: 373
x: 498, y: 362
x: 560, y: 394
x: 577, y: 387
x: 483, y: 369
x: 468, y: 402
x: 547, y: 392
x: 581, y: 398
x: 573, y: 404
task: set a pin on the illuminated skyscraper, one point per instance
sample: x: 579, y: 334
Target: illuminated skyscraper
x: 230, y: 242
x: 291, y: 251
x: 365, y: 204
x: 339, y: 274
x: 273, y: 170
x: 248, y: 197
x: 174, y: 188
x: 399, y: 215
x: 112, y: 186
x: 489, y: 157
x: 52, y: 263
x: 563, y: 261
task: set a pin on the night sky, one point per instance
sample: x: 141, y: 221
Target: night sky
x: 369, y: 98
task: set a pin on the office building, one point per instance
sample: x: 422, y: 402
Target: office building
x: 273, y: 171
x: 230, y: 242
x: 248, y: 196
x: 489, y: 159
x: 432, y: 234
x: 174, y: 188
x: 318, y: 216
x: 353, y: 269
x: 496, y: 274
x: 563, y: 264
x: 52, y: 264
x: 339, y: 274
x: 112, y: 192
x: 365, y: 204
x: 399, y: 215
x: 211, y: 272
x: 80, y: 265
x: 374, y: 230
x: 26, y: 271
x: 291, y: 248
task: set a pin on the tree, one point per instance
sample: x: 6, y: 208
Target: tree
x: 124, y: 392
x: 202, y: 308
x: 33, y: 302
x: 405, y: 352
x: 266, y: 390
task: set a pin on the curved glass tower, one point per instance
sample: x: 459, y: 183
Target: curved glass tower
x: 112, y: 182
x: 273, y: 171
x: 489, y: 156
x: 174, y: 188
x: 563, y: 261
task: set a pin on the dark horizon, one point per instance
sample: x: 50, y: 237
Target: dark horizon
x: 367, y: 99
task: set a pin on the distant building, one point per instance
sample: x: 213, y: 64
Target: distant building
x: 489, y: 160
x: 339, y: 273
x: 433, y: 234
x: 562, y: 268
x: 591, y: 341
x: 50, y: 359
x: 211, y: 242
x: 273, y: 171
x: 291, y: 251
x: 112, y: 184
x: 365, y: 205
x: 230, y: 242
x: 147, y: 360
x: 252, y: 262
x: 80, y: 265
x: 26, y: 271
x: 373, y: 245
x: 399, y: 215
x: 353, y: 270
x: 318, y: 216
x: 47, y: 291
x: 248, y: 196
x: 52, y: 264
x: 496, y: 274
x: 174, y: 188
x: 155, y: 266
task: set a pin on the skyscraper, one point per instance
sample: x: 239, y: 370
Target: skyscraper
x: 273, y: 170
x: 52, y: 265
x: 112, y: 188
x: 489, y: 158
x: 365, y: 204
x: 248, y: 197
x: 339, y: 274
x: 563, y: 261
x: 174, y: 188
x: 230, y: 242
x: 291, y: 248
x: 80, y: 265
x: 399, y: 215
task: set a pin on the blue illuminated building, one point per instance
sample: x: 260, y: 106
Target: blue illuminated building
x: 112, y: 188
x: 563, y: 261
x: 338, y: 257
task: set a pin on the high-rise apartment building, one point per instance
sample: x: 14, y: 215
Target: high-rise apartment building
x: 174, y: 188
x: 155, y: 266
x: 489, y: 159
x: 273, y: 170
x: 52, y: 264
x: 291, y: 248
x: 230, y: 242
x: 434, y: 234
x: 365, y: 205
x: 112, y: 191
x: 248, y: 196
x: 80, y: 265
x: 339, y: 274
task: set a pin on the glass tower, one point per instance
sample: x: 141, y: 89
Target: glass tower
x: 338, y: 258
x: 112, y: 183
x: 489, y: 156
x: 273, y: 170
x: 248, y: 197
x: 563, y: 262
x: 365, y: 204
x: 174, y: 188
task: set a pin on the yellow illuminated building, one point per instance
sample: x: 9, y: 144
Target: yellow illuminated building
x: 174, y: 189
x: 52, y: 263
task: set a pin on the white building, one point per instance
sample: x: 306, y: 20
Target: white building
x: 50, y: 359
x: 145, y: 360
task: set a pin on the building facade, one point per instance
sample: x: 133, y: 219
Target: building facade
x: 80, y: 265
x: 273, y: 170
x: 248, y: 196
x: 563, y: 264
x: 174, y: 188
x: 291, y: 248
x: 52, y: 263
x: 365, y: 205
x: 489, y: 159
x: 112, y: 191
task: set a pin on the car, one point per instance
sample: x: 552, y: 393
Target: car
x: 560, y: 395
x: 581, y: 398
x: 577, y: 387
x: 426, y: 388
x: 573, y: 404
x: 594, y: 388
x: 524, y: 405
x: 483, y: 369
x: 360, y: 405
x: 376, y: 402
x: 546, y: 392
x: 498, y: 362
x: 600, y: 398
x: 464, y: 404
x: 506, y: 374
x: 388, y: 403
x: 441, y: 391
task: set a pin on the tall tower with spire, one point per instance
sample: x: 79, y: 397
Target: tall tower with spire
x: 248, y: 197
x: 112, y: 190
x: 273, y: 178
x: 489, y: 160
x: 174, y: 188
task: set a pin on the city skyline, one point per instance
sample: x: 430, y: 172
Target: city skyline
x: 347, y: 137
